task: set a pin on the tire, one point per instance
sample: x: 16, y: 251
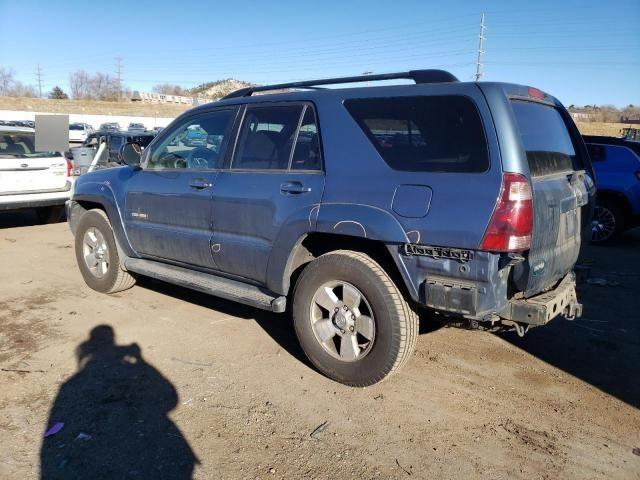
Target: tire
x: 377, y: 348
x: 608, y: 222
x: 106, y: 276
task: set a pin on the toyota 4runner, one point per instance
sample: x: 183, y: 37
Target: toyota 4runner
x: 356, y: 208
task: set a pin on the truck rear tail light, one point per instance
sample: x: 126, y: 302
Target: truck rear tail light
x: 69, y: 168
x: 511, y: 223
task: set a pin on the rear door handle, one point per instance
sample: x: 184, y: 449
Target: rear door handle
x: 294, y: 188
x: 199, y: 183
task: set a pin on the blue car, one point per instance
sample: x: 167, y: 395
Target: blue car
x: 354, y: 209
x: 616, y: 163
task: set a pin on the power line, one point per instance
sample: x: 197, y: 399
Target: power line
x: 119, y: 76
x: 39, y: 80
x: 480, y: 51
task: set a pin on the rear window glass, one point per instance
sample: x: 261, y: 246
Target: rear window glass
x: 545, y: 138
x: 76, y: 127
x: 21, y: 145
x: 424, y: 134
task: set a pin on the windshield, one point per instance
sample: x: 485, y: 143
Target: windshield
x: 21, y: 145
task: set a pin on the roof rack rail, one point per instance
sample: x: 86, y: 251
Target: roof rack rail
x: 418, y: 76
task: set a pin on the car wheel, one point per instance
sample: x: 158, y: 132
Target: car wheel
x: 607, y: 223
x: 351, y: 320
x: 97, y: 255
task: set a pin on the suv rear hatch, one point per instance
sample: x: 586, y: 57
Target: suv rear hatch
x: 23, y: 170
x: 560, y: 193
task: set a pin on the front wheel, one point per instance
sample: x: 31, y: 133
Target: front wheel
x: 351, y: 319
x: 97, y: 255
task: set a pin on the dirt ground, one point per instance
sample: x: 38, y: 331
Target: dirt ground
x: 193, y: 384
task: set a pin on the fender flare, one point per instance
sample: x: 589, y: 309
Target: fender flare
x: 101, y: 193
x: 348, y: 219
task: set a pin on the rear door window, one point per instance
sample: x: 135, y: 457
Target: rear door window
x: 267, y: 136
x: 424, y: 134
x: 545, y: 138
x: 306, y: 155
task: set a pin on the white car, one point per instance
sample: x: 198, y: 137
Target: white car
x: 31, y: 179
x: 78, y: 132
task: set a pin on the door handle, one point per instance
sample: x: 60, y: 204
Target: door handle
x: 293, y: 188
x: 199, y: 183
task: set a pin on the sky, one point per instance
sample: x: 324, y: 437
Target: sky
x: 582, y: 52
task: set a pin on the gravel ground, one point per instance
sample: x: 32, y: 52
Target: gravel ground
x: 161, y: 382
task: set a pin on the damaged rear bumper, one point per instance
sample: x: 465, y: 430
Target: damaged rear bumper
x: 542, y: 308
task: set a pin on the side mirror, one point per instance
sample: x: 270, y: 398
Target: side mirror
x: 130, y: 154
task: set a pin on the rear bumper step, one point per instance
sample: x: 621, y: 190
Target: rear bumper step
x: 207, y: 283
x: 543, y: 308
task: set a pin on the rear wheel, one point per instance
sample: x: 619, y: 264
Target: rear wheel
x: 97, y: 255
x: 351, y: 320
x: 607, y: 223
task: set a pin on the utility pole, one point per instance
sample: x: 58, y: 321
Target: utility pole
x: 480, y: 51
x: 39, y: 80
x: 119, y: 76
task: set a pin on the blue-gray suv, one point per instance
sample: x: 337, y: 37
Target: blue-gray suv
x: 355, y: 209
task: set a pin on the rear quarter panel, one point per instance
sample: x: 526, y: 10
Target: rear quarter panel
x: 461, y: 204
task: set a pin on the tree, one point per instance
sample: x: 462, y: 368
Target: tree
x: 170, y: 89
x: 99, y: 86
x: 79, y: 85
x: 10, y: 87
x: 6, y: 81
x: 58, y: 94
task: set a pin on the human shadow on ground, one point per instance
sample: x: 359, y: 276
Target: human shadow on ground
x: 115, y: 414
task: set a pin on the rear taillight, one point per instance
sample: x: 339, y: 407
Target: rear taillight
x: 512, y: 221
x: 69, y: 168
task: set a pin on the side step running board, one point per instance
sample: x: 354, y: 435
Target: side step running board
x: 211, y: 284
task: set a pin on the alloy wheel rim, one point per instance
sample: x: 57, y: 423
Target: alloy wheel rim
x: 342, y: 321
x: 603, y: 224
x: 95, y: 252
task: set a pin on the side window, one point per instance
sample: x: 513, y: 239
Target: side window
x: 597, y: 152
x: 91, y: 141
x: 266, y: 137
x: 424, y: 134
x: 197, y: 143
x: 116, y: 143
x: 306, y: 155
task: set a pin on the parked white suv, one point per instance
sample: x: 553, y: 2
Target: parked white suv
x: 31, y: 179
x: 78, y: 132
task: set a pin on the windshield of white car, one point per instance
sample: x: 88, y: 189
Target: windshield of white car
x: 21, y: 145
